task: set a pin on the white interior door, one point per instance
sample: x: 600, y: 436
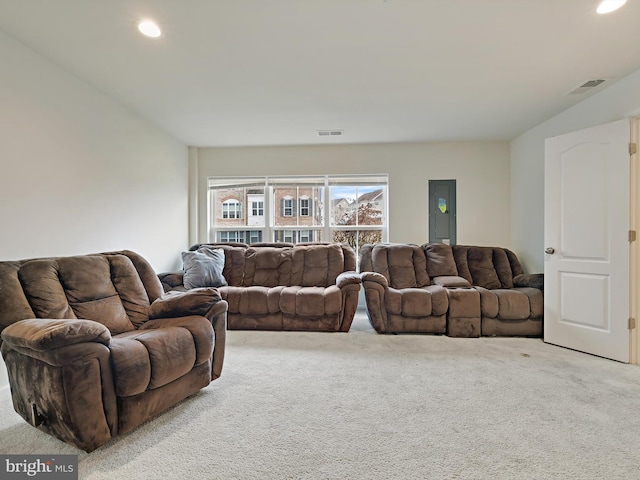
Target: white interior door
x: 586, y: 224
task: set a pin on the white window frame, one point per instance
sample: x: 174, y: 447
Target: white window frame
x: 257, y: 237
x: 304, y: 205
x: 229, y: 213
x: 287, y: 206
x: 237, y: 234
x: 257, y: 208
x: 306, y: 237
x: 320, y: 209
x: 288, y: 236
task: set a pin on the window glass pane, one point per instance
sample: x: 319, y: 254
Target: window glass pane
x: 231, y: 208
x: 369, y: 236
x: 230, y: 236
x: 287, y: 207
x: 357, y: 205
x: 370, y: 205
x: 297, y: 205
x: 228, y: 206
x: 343, y: 205
x: 357, y: 238
x: 304, y: 207
x: 255, y: 236
x: 304, y: 236
x: 234, y: 206
x: 345, y: 236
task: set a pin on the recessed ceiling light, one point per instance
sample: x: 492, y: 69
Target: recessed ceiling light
x: 149, y: 28
x: 607, y: 6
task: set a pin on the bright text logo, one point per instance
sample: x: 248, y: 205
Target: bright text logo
x: 50, y: 467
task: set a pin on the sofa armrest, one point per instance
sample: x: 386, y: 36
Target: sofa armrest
x: 171, y: 280
x: 217, y: 315
x: 197, y: 301
x: 533, y: 280
x: 451, y: 282
x: 374, y: 277
x: 41, y: 334
x: 375, y: 288
x: 64, y: 388
x: 348, y: 278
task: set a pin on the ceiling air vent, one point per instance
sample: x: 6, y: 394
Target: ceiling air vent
x: 330, y: 133
x: 586, y: 87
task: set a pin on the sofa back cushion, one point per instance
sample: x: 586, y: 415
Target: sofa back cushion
x: 316, y: 265
x: 144, y: 271
x: 403, y: 265
x: 267, y: 266
x: 488, y: 267
x: 440, y: 262
x: 14, y: 305
x: 103, y: 288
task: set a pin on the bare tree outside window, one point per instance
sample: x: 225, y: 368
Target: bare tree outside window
x: 361, y: 207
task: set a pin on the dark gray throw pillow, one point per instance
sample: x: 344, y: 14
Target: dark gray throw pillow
x: 203, y: 268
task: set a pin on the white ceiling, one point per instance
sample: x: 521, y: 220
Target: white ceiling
x: 272, y: 72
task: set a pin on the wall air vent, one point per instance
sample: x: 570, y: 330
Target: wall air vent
x: 587, y: 86
x: 330, y: 133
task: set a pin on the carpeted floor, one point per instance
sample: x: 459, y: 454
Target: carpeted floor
x: 293, y: 405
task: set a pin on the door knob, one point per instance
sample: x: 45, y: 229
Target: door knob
x: 550, y: 250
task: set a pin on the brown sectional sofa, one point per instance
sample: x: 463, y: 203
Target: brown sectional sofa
x: 463, y: 291
x: 281, y: 286
x: 93, y: 347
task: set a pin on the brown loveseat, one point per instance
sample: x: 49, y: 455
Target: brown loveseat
x: 463, y: 291
x: 281, y: 286
x: 93, y: 346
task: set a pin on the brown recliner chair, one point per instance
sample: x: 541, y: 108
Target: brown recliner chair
x: 93, y: 347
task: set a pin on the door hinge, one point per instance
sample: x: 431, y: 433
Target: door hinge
x: 632, y: 323
x: 633, y: 148
x: 632, y: 235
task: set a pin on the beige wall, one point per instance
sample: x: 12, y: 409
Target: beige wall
x: 620, y: 100
x: 80, y: 173
x: 480, y: 169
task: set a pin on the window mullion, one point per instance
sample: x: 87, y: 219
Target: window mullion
x: 326, y: 221
x: 268, y: 203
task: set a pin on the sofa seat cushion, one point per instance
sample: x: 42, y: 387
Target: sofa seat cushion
x: 147, y: 359
x: 252, y: 300
x: 417, y: 302
x: 511, y: 304
x: 311, y: 301
x: 536, y: 300
x: 200, y: 328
